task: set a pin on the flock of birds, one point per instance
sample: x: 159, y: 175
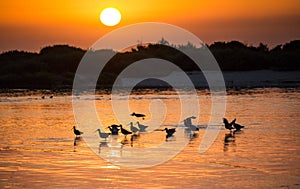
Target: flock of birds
x: 232, y: 125
x: 114, y: 129
x: 43, y: 97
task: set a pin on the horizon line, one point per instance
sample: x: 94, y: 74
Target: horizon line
x: 86, y: 49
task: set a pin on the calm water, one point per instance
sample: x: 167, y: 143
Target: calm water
x: 37, y: 145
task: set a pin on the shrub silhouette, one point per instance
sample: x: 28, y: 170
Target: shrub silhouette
x: 55, y: 66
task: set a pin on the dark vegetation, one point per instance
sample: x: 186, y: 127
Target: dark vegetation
x: 54, y: 67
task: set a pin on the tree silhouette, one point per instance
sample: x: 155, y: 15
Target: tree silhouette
x: 55, y: 66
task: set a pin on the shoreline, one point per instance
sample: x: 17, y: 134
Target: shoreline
x: 144, y: 91
x: 234, y: 81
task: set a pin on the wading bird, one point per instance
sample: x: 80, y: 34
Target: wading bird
x: 138, y: 115
x: 228, y: 125
x: 133, y: 128
x: 76, y: 132
x: 142, y: 127
x: 114, y: 129
x: 124, y: 131
x: 169, y: 132
x: 188, y: 123
x: 102, y: 135
x: 238, y: 127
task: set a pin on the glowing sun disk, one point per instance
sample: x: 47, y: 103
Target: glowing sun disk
x: 110, y: 16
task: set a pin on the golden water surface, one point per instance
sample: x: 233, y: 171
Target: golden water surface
x: 37, y: 144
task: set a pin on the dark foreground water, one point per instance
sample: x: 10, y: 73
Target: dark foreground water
x: 37, y: 145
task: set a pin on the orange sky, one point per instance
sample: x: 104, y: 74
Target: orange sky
x: 29, y: 25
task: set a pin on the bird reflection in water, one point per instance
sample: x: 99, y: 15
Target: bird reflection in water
x: 76, y: 142
x: 229, y: 140
x: 113, y: 146
x: 101, y: 145
x: 190, y: 134
x: 133, y: 138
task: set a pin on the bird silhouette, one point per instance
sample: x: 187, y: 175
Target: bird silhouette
x: 228, y: 125
x: 238, y: 127
x: 142, y: 127
x: 188, y: 123
x: 43, y: 97
x: 51, y: 96
x: 102, y: 134
x: 101, y: 145
x: 124, y: 131
x: 169, y: 132
x: 77, y: 132
x: 228, y: 139
x: 133, y: 128
x: 114, y: 129
x: 138, y: 115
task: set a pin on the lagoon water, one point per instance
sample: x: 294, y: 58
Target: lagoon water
x: 37, y: 144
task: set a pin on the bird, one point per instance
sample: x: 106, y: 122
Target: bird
x: 43, y: 97
x: 138, y: 115
x: 142, y: 127
x: 77, y: 132
x: 193, y: 128
x: 51, y: 96
x: 102, y: 135
x: 228, y: 125
x: 188, y: 123
x: 237, y: 126
x: 114, y: 129
x: 169, y: 132
x: 133, y: 128
x: 124, y: 131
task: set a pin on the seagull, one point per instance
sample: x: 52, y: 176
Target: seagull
x: 124, y: 131
x: 138, y: 115
x: 114, y: 129
x: 238, y: 126
x: 133, y: 128
x: 228, y: 125
x: 142, y: 127
x: 169, y: 132
x: 77, y: 132
x: 102, y: 135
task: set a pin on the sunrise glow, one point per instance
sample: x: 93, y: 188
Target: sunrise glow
x: 110, y: 16
x: 78, y: 22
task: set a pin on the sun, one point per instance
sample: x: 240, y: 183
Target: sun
x: 110, y: 16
